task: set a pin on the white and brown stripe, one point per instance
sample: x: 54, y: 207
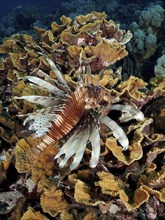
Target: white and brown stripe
x: 67, y: 118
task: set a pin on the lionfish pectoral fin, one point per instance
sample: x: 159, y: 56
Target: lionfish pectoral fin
x: 70, y: 153
x: 117, y: 131
x: 76, y: 144
x: 84, y: 136
x: 139, y: 116
x: 95, y: 142
x: 39, y: 122
x: 68, y: 149
x: 135, y: 113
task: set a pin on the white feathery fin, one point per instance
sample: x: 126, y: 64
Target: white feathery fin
x: 39, y: 121
x: 81, y: 148
x: 41, y: 73
x: 80, y: 58
x: 135, y: 113
x: 76, y: 144
x: 69, y: 149
x: 89, y: 77
x: 95, y: 141
x: 55, y: 70
x: 41, y: 100
x: 42, y: 83
x: 81, y: 70
x: 117, y: 131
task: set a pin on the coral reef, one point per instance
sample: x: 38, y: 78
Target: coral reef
x: 160, y: 66
x: 147, y: 34
x: 144, y: 18
x: 38, y: 74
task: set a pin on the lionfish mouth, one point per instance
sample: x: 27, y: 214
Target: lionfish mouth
x: 66, y: 112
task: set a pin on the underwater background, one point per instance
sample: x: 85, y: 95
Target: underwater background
x: 104, y: 59
x: 21, y: 17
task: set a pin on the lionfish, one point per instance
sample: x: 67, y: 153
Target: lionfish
x: 77, y: 115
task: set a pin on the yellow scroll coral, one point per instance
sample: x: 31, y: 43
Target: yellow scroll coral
x: 31, y: 214
x: 28, y: 161
x: 52, y: 201
x: 140, y: 197
x: 81, y: 193
x: 109, y: 185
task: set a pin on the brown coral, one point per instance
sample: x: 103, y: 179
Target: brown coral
x: 140, y: 197
x: 27, y: 160
x: 52, y: 202
x: 30, y: 214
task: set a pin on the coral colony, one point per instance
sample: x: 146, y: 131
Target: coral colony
x: 84, y: 142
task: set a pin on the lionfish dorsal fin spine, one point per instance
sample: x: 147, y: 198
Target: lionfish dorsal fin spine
x: 56, y: 71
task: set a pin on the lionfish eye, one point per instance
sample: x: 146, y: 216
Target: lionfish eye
x: 96, y: 89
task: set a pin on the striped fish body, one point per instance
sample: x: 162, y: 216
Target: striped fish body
x: 80, y: 112
x: 69, y: 116
x: 66, y: 118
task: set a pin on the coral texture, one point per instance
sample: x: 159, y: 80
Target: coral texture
x: 160, y: 66
x: 146, y: 34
